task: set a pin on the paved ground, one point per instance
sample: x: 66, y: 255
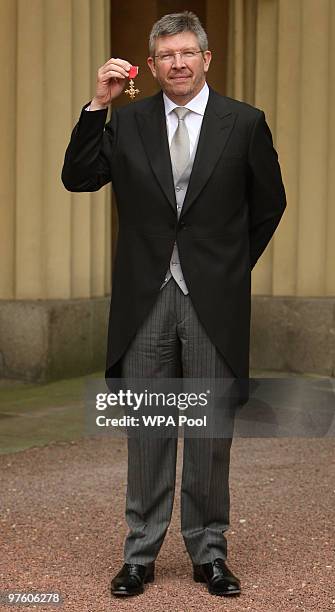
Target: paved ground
x: 62, y: 524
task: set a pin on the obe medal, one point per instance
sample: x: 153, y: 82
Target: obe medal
x: 131, y: 91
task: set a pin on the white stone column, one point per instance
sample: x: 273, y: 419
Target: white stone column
x: 314, y: 148
x: 288, y: 105
x: 77, y: 94
x: 8, y: 53
x: 330, y: 230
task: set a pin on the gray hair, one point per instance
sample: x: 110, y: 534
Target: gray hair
x: 174, y: 23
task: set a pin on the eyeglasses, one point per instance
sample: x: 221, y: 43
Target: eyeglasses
x: 184, y: 55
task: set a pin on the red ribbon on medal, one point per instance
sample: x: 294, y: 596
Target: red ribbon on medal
x: 131, y: 91
x: 133, y: 72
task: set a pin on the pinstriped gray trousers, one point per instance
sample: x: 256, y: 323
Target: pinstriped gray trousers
x: 172, y: 343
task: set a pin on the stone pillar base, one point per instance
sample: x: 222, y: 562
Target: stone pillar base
x: 293, y: 334
x: 44, y: 340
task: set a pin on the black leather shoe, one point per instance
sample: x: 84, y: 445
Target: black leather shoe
x: 220, y: 580
x: 131, y: 578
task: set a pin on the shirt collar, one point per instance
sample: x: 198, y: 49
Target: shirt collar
x: 197, y: 104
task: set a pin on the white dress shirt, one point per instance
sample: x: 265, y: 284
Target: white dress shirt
x: 192, y: 120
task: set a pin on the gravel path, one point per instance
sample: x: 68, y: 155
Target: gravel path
x: 63, y: 528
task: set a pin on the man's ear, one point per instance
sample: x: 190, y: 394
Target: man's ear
x: 207, y: 60
x: 151, y: 64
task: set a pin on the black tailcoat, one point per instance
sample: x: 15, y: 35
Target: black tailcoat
x: 233, y: 204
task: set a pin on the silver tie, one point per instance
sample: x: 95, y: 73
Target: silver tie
x: 180, y: 145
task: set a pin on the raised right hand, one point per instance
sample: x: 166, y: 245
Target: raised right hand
x: 111, y: 81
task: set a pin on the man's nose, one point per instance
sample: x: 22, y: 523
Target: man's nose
x: 178, y: 60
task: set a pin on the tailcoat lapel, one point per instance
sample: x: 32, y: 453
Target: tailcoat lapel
x: 216, y: 128
x: 152, y: 128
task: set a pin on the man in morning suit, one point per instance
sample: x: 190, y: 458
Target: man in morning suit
x: 199, y: 195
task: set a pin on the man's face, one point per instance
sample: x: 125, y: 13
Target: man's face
x: 180, y: 77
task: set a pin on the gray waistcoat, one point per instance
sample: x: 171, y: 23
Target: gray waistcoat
x: 180, y: 185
